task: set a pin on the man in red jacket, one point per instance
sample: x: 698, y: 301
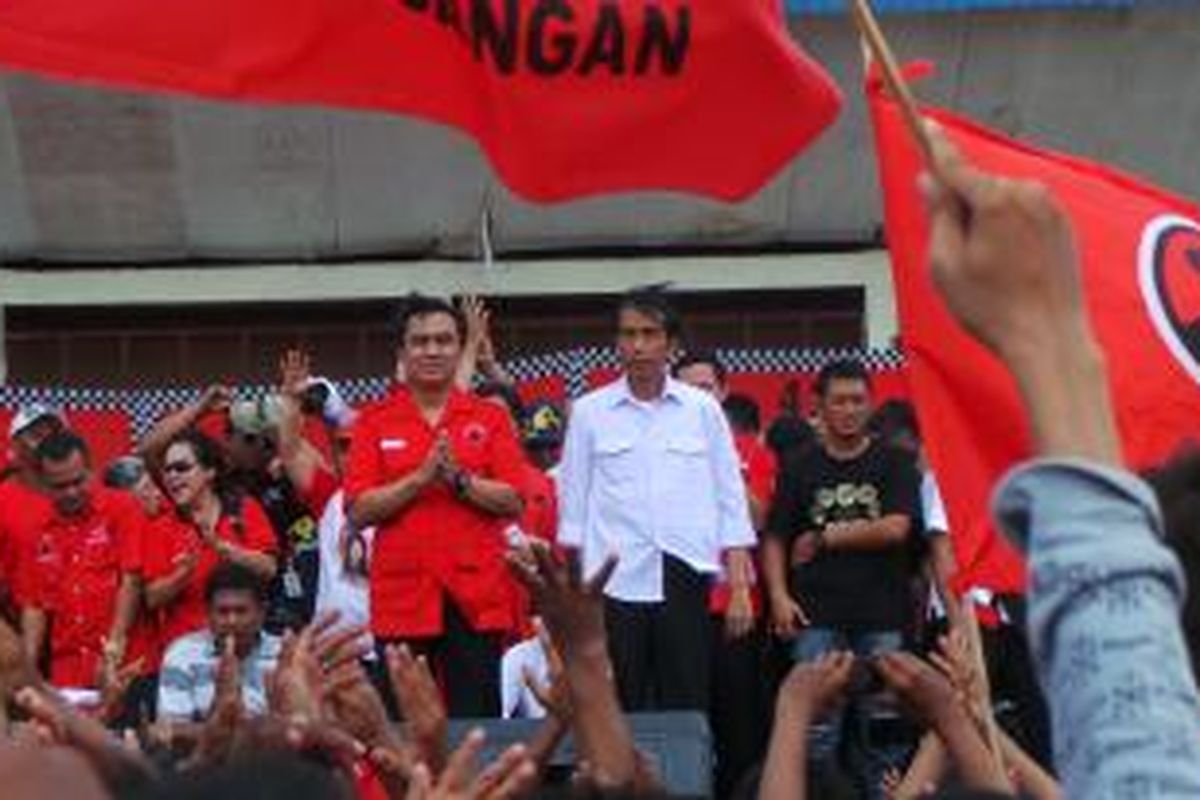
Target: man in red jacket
x: 436, y: 472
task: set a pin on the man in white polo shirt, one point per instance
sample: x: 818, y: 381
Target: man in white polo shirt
x: 649, y: 472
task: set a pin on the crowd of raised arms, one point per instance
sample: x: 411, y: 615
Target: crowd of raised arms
x: 292, y: 598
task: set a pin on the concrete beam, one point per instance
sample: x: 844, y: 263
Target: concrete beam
x: 183, y: 285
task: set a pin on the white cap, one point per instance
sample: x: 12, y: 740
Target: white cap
x: 31, y: 414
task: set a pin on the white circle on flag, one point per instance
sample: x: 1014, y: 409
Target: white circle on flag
x: 1152, y: 249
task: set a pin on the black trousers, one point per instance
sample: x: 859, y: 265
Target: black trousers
x: 660, y: 651
x: 465, y: 662
x: 738, y: 712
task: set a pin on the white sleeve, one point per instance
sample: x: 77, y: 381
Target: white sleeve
x: 933, y: 510
x: 574, y: 479
x: 734, y: 527
x: 510, y: 682
x: 176, y: 698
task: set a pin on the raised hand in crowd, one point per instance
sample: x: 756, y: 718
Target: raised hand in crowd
x: 121, y: 768
x: 929, y: 698
x: 572, y: 609
x: 554, y: 695
x: 215, y: 399
x: 512, y: 775
x: 294, y: 372
x: 479, y: 350
x: 809, y: 691
x: 420, y: 701
x: 301, y: 461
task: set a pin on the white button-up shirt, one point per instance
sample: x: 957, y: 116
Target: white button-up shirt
x: 643, y: 479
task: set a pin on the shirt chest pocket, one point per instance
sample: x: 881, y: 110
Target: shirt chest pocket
x: 471, y: 449
x: 99, y: 555
x: 685, y: 469
x: 615, y: 461
x: 399, y: 457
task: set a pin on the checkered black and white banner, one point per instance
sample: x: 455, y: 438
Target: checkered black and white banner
x: 573, y: 367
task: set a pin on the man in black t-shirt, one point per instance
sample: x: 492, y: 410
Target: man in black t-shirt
x: 836, y: 556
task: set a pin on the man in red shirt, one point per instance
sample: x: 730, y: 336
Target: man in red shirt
x: 24, y: 508
x: 436, y: 472
x: 85, y: 580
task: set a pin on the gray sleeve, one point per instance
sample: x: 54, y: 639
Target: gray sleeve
x: 1104, y: 630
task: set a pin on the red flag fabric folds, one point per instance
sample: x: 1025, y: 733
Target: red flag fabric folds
x: 1140, y: 253
x: 567, y: 97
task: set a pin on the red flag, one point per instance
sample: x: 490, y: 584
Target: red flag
x: 566, y: 97
x: 1139, y: 248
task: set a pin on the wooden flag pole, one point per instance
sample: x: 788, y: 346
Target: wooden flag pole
x: 878, y: 49
x: 872, y: 34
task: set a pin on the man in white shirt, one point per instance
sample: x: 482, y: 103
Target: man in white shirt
x: 649, y: 472
x: 236, y: 601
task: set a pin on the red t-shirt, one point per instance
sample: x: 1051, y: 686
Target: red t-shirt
x: 24, y: 512
x: 438, y: 543
x: 169, y: 538
x: 758, y: 470
x: 78, y: 564
x: 540, y: 516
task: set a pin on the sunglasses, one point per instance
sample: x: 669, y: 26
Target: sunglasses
x: 179, y: 467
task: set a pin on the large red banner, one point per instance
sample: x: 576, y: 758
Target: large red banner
x: 566, y: 97
x: 1140, y: 252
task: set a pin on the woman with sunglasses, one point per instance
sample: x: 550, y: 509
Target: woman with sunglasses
x: 211, y: 523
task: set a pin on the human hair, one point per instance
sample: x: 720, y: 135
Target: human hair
x: 265, y: 773
x: 210, y: 455
x: 420, y: 305
x: 1177, y: 486
x: 507, y: 393
x: 59, y: 446
x: 652, y: 301
x: 702, y: 357
x: 207, y: 451
x: 895, y: 418
x: 742, y: 412
x: 229, y: 576
x: 845, y: 369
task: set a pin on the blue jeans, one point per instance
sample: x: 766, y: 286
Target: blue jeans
x: 868, y: 760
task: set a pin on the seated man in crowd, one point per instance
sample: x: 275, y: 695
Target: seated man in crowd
x: 234, y: 641
x: 85, y: 571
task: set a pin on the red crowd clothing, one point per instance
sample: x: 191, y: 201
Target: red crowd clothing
x: 758, y: 470
x: 437, y: 543
x: 78, y: 564
x: 169, y: 538
x: 316, y: 495
x: 24, y: 512
x: 539, y: 518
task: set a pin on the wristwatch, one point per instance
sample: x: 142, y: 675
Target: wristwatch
x: 460, y: 483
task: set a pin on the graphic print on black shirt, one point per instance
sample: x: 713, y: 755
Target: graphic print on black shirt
x: 861, y: 590
x: 292, y: 595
